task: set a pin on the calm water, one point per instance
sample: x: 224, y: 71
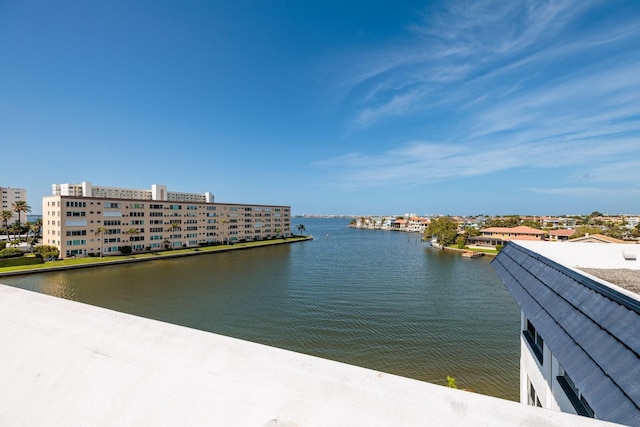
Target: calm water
x: 382, y: 300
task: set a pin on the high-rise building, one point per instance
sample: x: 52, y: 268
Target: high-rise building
x: 84, y: 220
x: 9, y: 197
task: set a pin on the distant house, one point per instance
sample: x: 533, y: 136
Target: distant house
x: 560, y: 235
x: 417, y: 224
x: 399, y: 224
x: 549, y: 221
x: 493, y: 236
x: 597, y: 238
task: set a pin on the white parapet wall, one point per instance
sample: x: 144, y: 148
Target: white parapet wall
x: 64, y: 363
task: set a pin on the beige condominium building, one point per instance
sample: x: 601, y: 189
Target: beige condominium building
x: 83, y: 220
x: 9, y: 197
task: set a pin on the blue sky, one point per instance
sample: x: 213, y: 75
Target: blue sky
x: 342, y: 107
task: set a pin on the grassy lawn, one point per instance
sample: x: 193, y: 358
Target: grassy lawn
x: 147, y: 255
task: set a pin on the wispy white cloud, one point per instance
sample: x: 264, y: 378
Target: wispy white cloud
x: 519, y: 86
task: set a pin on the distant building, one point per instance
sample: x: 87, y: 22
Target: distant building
x: 580, y: 317
x: 9, y: 197
x: 560, y: 222
x: 494, y: 236
x: 597, y: 238
x: 81, y: 219
x: 560, y: 235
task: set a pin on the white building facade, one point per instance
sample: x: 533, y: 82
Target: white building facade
x: 9, y: 197
x: 85, y: 220
x: 580, y: 318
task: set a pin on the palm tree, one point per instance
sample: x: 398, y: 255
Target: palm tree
x: 131, y: 233
x: 100, y: 231
x: 35, y: 231
x: 20, y: 206
x: 5, y: 216
x: 173, y: 227
x: 300, y: 228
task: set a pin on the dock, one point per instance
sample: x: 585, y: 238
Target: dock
x: 471, y: 254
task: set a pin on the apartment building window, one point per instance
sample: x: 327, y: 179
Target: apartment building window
x: 76, y: 213
x: 175, y: 207
x: 137, y: 222
x: 155, y: 206
x: 535, y: 341
x: 76, y: 242
x: 191, y: 207
x: 138, y: 214
x: 77, y: 233
x: 578, y: 401
x: 111, y: 205
x: 136, y: 205
x: 111, y: 222
x: 155, y: 213
x: 76, y: 204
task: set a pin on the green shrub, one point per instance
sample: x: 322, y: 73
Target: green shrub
x: 11, y: 253
x: 48, y: 252
x: 499, y: 247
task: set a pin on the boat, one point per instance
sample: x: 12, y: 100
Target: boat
x: 435, y: 244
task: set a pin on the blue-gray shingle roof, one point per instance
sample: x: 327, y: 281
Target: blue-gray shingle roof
x: 593, y: 330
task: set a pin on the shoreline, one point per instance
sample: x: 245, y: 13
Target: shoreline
x: 149, y: 256
x: 448, y: 248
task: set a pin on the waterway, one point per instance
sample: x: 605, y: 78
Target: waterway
x: 378, y: 299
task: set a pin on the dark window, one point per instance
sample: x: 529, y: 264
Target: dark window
x: 533, y: 396
x: 575, y: 397
x: 535, y: 340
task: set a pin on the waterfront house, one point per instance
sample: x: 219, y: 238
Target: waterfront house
x: 580, y: 317
x: 417, y: 224
x: 493, y: 236
x: 399, y: 225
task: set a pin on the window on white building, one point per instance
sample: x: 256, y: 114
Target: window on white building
x: 575, y: 397
x: 535, y: 341
x: 533, y: 398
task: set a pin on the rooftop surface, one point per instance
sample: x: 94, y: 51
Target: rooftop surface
x: 73, y: 364
x: 615, y: 263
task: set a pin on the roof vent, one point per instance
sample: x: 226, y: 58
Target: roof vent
x: 629, y: 256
